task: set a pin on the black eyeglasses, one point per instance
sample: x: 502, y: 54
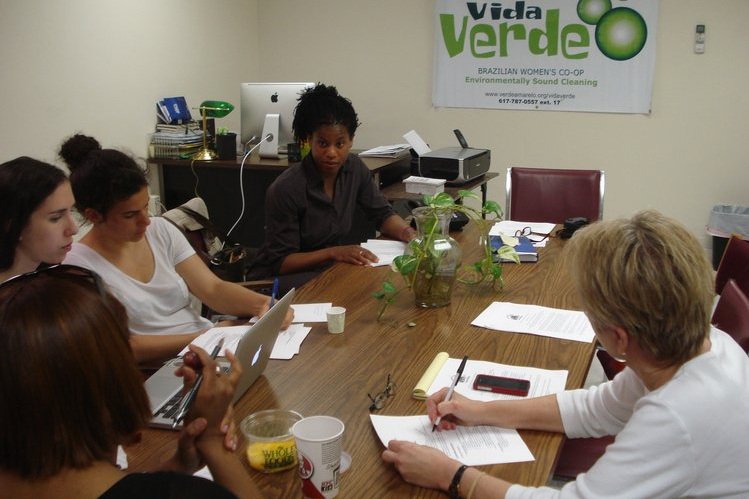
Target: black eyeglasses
x: 378, y: 401
x: 528, y: 232
x: 65, y: 271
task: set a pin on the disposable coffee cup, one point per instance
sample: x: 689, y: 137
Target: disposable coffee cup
x: 336, y: 319
x: 318, y: 442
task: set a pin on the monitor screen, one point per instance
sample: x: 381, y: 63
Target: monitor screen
x: 259, y: 102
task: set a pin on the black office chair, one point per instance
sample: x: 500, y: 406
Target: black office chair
x: 554, y: 195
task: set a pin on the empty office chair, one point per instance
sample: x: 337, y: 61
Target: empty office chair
x: 732, y: 314
x: 734, y: 265
x: 551, y: 195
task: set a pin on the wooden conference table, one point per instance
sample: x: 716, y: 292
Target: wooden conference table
x: 333, y: 373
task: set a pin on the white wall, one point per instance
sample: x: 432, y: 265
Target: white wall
x: 98, y: 66
x: 689, y: 154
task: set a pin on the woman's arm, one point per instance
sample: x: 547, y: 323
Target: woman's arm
x: 222, y: 296
x: 395, y: 227
x: 148, y: 348
x: 353, y: 254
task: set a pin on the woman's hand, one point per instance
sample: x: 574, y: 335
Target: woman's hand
x: 421, y: 465
x: 459, y: 410
x: 353, y: 254
x: 287, y: 320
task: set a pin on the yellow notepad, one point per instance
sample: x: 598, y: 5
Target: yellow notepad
x: 420, y: 390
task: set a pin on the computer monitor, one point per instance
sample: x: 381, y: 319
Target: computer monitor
x: 269, y: 108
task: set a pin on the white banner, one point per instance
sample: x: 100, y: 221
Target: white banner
x: 551, y: 55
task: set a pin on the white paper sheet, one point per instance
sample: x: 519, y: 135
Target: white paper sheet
x: 289, y: 341
x: 417, y: 143
x: 533, y: 319
x: 311, y: 312
x: 543, y: 381
x: 231, y: 334
x: 471, y: 445
x: 385, y: 249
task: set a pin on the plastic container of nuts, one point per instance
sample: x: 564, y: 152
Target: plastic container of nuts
x: 270, y: 444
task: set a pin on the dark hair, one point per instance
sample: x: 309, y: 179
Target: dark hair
x: 68, y: 380
x: 24, y: 184
x: 100, y: 177
x: 322, y: 105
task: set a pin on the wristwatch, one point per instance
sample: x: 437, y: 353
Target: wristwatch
x: 453, y: 490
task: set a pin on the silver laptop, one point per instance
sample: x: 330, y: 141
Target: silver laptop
x: 164, y: 389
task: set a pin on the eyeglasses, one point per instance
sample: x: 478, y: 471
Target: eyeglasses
x: 65, y: 271
x: 527, y: 232
x: 378, y: 401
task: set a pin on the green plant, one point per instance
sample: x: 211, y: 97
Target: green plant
x: 422, y: 258
x: 222, y: 131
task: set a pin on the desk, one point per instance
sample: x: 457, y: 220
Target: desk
x: 333, y: 373
x: 217, y: 182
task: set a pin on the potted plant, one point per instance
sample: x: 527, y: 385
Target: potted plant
x: 431, y: 263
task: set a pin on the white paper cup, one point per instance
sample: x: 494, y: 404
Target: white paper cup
x: 318, y: 443
x: 336, y: 319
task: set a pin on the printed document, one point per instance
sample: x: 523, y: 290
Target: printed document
x: 286, y: 346
x: 311, y: 312
x: 533, y: 319
x: 385, y: 249
x: 471, y: 445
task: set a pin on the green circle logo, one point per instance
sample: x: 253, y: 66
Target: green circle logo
x: 621, y: 33
x: 590, y: 11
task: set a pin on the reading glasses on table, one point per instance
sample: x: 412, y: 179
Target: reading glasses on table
x: 378, y: 401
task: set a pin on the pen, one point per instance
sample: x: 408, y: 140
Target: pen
x: 274, y: 292
x: 184, y: 406
x: 452, y: 388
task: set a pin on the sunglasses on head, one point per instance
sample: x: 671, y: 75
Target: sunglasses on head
x: 64, y: 271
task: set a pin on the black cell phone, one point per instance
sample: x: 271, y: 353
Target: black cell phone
x: 501, y: 384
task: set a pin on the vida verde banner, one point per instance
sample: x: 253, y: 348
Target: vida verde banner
x: 552, y: 55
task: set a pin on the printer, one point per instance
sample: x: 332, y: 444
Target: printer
x: 457, y: 165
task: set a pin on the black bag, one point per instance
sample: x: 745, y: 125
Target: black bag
x: 227, y: 260
x: 571, y: 225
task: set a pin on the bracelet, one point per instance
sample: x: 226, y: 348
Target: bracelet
x: 473, y: 485
x: 452, y: 490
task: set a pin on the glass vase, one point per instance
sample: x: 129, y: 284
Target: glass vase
x: 438, y: 256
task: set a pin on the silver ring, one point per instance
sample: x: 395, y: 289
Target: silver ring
x: 218, y: 370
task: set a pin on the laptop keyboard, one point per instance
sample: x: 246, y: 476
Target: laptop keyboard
x: 167, y: 410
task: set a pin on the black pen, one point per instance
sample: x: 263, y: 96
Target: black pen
x: 452, y: 388
x: 184, y: 406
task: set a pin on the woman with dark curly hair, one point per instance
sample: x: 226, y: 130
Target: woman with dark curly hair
x: 310, y: 207
x: 36, y: 219
x: 146, y: 262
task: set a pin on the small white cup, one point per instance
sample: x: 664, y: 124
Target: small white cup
x: 336, y: 319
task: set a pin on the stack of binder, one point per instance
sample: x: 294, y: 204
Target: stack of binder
x: 175, y: 141
x: 177, y: 135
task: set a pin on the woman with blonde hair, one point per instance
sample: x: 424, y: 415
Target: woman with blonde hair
x: 678, y: 410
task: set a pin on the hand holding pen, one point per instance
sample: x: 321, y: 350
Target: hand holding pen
x: 450, y: 391
x: 184, y: 406
x: 273, y: 293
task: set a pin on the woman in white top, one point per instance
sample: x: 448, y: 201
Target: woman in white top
x: 678, y: 410
x: 146, y: 263
x: 36, y: 219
